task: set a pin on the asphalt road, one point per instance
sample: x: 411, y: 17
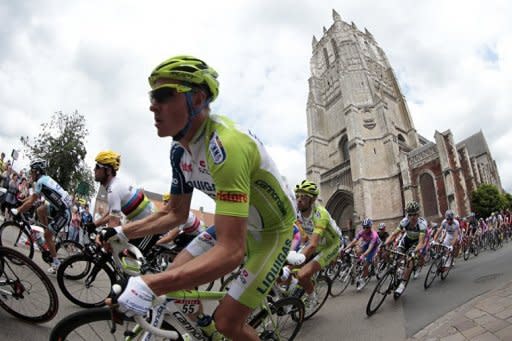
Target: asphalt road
x: 344, y: 318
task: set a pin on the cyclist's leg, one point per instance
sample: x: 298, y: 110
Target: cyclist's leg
x: 61, y: 218
x: 305, y: 274
x: 230, y: 320
x: 42, y: 214
x: 266, y: 255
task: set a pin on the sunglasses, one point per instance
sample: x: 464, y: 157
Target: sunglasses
x: 99, y: 166
x: 166, y: 92
x: 413, y: 214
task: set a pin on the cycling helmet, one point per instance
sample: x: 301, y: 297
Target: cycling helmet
x: 412, y: 207
x: 166, y: 196
x: 367, y: 222
x: 39, y: 165
x: 307, y: 187
x: 449, y: 214
x: 109, y: 158
x: 189, y: 72
x: 382, y: 226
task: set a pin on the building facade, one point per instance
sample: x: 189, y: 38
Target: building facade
x: 362, y: 147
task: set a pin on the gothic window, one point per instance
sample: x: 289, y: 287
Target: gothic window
x: 335, y: 49
x: 428, y: 195
x: 345, y: 156
x: 401, y: 138
x: 326, y: 55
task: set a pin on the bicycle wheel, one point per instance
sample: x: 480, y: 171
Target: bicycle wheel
x: 341, y: 281
x: 322, y: 290
x: 85, y: 281
x: 285, y: 321
x: 68, y: 248
x: 466, y: 251
x: 25, y: 290
x: 96, y: 324
x: 448, y: 267
x: 475, y: 249
x: 433, y: 270
x: 382, y: 289
x: 14, y: 236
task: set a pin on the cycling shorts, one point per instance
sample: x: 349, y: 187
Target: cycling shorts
x: 406, y: 243
x: 369, y: 257
x: 327, y: 255
x: 61, y: 217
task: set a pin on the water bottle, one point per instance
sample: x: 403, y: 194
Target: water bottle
x: 207, y: 325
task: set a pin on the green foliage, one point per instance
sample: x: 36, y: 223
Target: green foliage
x: 507, y: 199
x: 62, y: 143
x: 487, y: 199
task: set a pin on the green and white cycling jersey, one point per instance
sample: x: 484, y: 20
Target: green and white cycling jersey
x: 320, y: 222
x: 234, y: 169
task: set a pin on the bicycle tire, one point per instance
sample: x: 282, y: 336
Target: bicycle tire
x: 341, y: 280
x: 45, y: 305
x: 466, y: 252
x: 97, y: 323
x: 14, y: 236
x: 444, y: 274
x: 322, y: 289
x: 381, y: 284
x: 291, y: 307
x: 86, y: 289
x: 476, y: 249
x: 432, y: 273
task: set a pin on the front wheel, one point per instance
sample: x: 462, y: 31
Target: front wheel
x: 85, y: 281
x: 68, y: 248
x: 466, y: 251
x: 341, y: 280
x: 432, y: 273
x: 14, y: 236
x: 382, y: 289
x: 447, y: 267
x: 285, y: 321
x: 96, y: 324
x: 26, y: 291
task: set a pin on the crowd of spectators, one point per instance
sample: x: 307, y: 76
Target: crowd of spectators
x: 18, y: 187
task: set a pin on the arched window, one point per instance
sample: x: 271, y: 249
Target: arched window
x: 428, y: 195
x: 344, y: 149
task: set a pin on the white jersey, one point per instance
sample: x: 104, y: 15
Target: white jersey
x: 53, y: 192
x: 193, y: 226
x: 128, y: 200
x: 451, y: 228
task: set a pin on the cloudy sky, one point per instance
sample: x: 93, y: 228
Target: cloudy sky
x: 453, y: 60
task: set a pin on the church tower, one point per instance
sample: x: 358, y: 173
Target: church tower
x: 359, y: 127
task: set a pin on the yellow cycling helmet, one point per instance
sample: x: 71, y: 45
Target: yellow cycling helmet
x: 187, y: 71
x: 109, y: 158
x: 166, y: 196
x: 307, y: 187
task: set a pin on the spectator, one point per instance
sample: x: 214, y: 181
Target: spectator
x: 74, y: 226
x: 12, y: 190
x: 23, y: 191
x: 2, y: 163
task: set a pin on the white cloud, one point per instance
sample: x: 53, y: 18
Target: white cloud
x: 453, y: 60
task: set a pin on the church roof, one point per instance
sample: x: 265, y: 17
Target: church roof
x: 421, y: 148
x: 476, y: 144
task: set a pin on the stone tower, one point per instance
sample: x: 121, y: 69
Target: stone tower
x: 359, y: 127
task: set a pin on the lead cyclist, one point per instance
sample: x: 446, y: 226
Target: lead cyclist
x: 254, y: 212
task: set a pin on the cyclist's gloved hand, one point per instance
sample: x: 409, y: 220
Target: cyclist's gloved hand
x: 361, y: 258
x: 450, y: 247
x: 113, y: 232
x: 137, y: 297
x: 286, y: 273
x: 14, y: 211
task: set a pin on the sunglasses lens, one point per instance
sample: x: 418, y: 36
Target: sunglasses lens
x: 161, y: 95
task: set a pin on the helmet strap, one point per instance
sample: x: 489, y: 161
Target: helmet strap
x: 191, y: 113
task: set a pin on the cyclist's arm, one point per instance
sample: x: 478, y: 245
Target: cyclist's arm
x: 172, y: 215
x: 421, y: 242
x: 312, y: 245
x: 226, y: 255
x: 169, y: 236
x: 28, y: 203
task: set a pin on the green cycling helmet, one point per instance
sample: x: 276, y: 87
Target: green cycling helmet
x: 412, y: 207
x: 188, y: 71
x: 307, y: 187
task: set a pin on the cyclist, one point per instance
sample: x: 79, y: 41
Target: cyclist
x: 323, y: 236
x: 59, y: 207
x: 383, y: 234
x: 414, y: 229
x: 452, y: 233
x: 183, y: 234
x: 254, y: 212
x: 370, y: 242
x: 124, y: 200
x: 473, y: 225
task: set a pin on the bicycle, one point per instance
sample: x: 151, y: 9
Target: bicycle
x: 389, y: 282
x: 26, y: 292
x: 439, y: 266
x: 86, y: 279
x: 170, y: 317
x: 21, y: 235
x: 350, y: 272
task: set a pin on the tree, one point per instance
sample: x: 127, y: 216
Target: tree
x: 62, y: 143
x: 507, y: 199
x: 487, y: 199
